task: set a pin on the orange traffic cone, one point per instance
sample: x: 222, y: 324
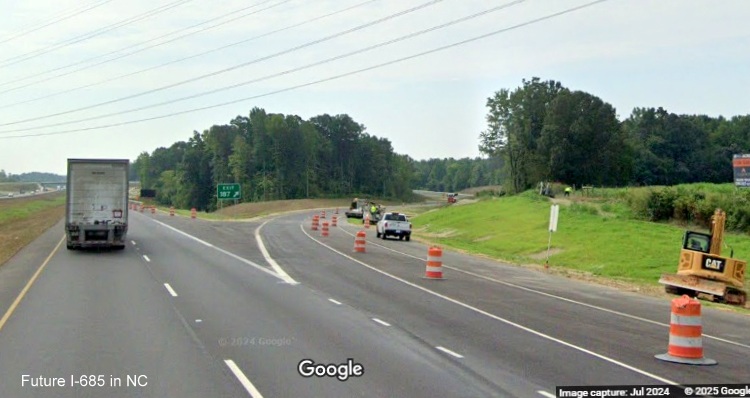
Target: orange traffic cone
x: 434, y: 269
x: 359, y: 242
x: 685, y: 334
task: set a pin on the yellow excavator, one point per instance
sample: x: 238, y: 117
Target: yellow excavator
x: 703, y: 272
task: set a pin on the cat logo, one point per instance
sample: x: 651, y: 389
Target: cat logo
x: 713, y: 264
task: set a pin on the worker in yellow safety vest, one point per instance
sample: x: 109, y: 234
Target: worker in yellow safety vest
x: 568, y: 190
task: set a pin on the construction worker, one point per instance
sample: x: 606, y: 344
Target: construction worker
x: 373, y: 209
x: 568, y: 190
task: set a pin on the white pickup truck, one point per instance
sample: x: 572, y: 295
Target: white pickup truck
x: 393, y: 224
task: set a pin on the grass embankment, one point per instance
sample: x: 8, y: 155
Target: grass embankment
x: 23, y: 219
x: 595, y: 237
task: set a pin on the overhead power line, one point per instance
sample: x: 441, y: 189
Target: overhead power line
x: 331, y: 78
x: 244, y: 64
x: 70, y: 14
x: 278, y: 74
x: 112, y: 79
x: 33, y: 54
x: 137, y: 45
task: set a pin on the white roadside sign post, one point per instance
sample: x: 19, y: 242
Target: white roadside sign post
x: 554, y: 212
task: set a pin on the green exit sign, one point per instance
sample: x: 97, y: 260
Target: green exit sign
x: 228, y: 191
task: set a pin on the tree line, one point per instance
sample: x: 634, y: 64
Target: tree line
x: 544, y: 131
x: 275, y: 156
x: 33, y: 176
x: 453, y: 175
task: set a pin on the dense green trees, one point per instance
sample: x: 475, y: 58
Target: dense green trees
x: 544, y: 131
x: 276, y: 156
x: 452, y: 175
x: 540, y: 131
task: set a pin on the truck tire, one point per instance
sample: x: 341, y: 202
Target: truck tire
x: 401, y: 237
x: 384, y: 236
x: 408, y: 237
x: 119, y: 247
x: 70, y: 247
x: 377, y: 234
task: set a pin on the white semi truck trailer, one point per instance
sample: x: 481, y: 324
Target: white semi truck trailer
x: 96, y: 209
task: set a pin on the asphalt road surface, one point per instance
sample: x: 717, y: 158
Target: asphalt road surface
x: 195, y: 308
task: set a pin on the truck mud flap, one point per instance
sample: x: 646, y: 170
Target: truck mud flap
x: 694, y: 283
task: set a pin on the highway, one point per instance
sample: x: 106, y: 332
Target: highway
x: 230, y: 309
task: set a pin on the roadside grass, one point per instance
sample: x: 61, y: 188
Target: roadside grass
x: 23, y: 207
x: 597, y: 239
x: 23, y: 219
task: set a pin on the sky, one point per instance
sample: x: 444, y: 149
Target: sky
x: 109, y: 78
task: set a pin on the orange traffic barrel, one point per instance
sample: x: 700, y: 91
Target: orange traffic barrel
x: 434, y: 269
x: 334, y: 221
x: 686, y: 333
x: 325, y: 229
x: 323, y: 214
x: 359, y: 242
x: 337, y: 210
x: 315, y: 223
x: 367, y: 221
x: 192, y: 213
x: 171, y: 210
x: 141, y: 208
x: 153, y: 209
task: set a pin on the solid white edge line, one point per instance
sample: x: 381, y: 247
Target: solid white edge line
x: 145, y: 257
x: 546, y: 394
x: 230, y: 254
x: 530, y: 290
x: 503, y: 320
x: 447, y: 351
x: 171, y: 291
x: 384, y: 323
x: 276, y: 267
x: 249, y: 387
x: 334, y: 301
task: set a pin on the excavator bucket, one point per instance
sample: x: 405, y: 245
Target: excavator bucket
x: 689, y: 282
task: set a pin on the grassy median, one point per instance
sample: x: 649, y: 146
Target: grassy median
x: 23, y: 219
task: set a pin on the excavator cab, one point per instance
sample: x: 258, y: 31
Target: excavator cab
x: 703, y: 271
x: 697, y: 241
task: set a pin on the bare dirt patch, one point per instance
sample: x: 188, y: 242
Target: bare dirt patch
x: 543, y: 254
x: 447, y: 233
x: 484, y: 238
